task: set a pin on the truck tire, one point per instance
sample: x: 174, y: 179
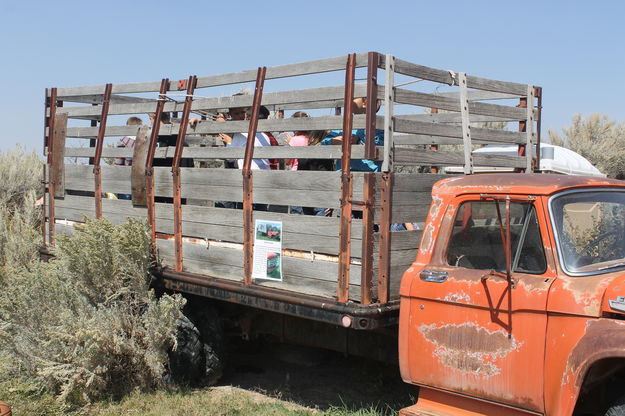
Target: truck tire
x: 211, y: 330
x: 617, y: 408
x: 186, y: 360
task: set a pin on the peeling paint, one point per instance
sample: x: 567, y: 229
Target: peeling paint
x: 588, y: 291
x: 459, y: 297
x: 428, y: 239
x: 469, y: 348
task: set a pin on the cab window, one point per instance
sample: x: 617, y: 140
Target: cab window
x: 476, y: 241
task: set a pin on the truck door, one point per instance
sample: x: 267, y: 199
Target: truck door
x: 472, y: 331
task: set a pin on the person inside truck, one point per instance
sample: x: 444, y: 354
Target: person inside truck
x: 335, y: 137
x: 263, y: 114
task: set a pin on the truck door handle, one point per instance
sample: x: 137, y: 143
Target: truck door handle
x: 435, y: 276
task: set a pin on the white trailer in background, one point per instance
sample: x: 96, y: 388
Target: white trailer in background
x: 553, y: 159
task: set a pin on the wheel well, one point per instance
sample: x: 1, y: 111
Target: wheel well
x: 602, y: 386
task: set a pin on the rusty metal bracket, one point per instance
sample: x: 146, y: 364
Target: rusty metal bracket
x: 182, y: 85
x: 538, y: 93
x: 345, y: 227
x: 522, y: 128
x: 248, y: 226
x: 97, y: 170
x: 372, y: 104
x: 175, y: 169
x: 149, y: 160
x: 384, y: 262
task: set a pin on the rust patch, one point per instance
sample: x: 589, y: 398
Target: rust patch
x: 588, y: 291
x: 469, y: 348
x: 603, y: 338
x: 437, y: 202
x: 428, y: 239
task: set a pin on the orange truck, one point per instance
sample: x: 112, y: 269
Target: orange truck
x: 496, y: 293
x: 514, y: 304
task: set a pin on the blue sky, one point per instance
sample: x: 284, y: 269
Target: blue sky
x: 575, y: 50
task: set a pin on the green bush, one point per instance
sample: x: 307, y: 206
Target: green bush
x: 20, y: 219
x: 86, y: 325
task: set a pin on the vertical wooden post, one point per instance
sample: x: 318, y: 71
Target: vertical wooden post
x: 149, y: 160
x: 345, y: 227
x: 248, y: 199
x: 466, y: 127
x: 386, y: 191
x: 97, y: 170
x: 175, y: 170
x: 57, y: 165
x: 51, y: 104
x: 529, y: 130
x: 368, y: 209
x: 434, y: 147
x: 389, y: 98
x: 384, y: 263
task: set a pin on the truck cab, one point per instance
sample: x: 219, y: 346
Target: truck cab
x: 515, y: 303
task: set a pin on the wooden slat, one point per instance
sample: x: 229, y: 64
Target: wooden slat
x: 282, y: 71
x: 443, y: 158
x: 210, y: 127
x: 299, y: 275
x: 267, y: 152
x: 492, y: 135
x: 445, y: 77
x: 57, y: 168
x: 423, y: 72
x: 301, y: 232
x: 450, y: 118
x: 277, y: 180
x: 139, y: 157
x: 477, y: 95
x: 496, y: 86
x: 312, y: 95
x: 403, y: 96
x: 422, y: 139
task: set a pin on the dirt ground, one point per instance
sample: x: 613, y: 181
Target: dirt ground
x: 315, y: 378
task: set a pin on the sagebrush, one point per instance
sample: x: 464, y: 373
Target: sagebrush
x: 86, y: 324
x: 598, y: 139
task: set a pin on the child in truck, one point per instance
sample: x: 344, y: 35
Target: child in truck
x: 335, y: 137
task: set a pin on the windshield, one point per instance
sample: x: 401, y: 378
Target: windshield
x: 590, y: 229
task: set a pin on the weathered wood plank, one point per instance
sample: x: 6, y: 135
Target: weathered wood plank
x: 496, y: 86
x: 422, y: 139
x: 137, y: 176
x: 508, y: 113
x: 301, y: 232
x: 445, y: 77
x: 282, y: 71
x: 298, y: 275
x: 423, y: 72
x: 312, y: 96
x: 267, y: 152
x: 213, y: 127
x: 57, y: 170
x: 444, y: 158
x: 478, y: 95
x: 403, y: 125
x: 450, y: 118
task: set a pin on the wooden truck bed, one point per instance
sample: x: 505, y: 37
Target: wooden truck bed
x: 83, y: 123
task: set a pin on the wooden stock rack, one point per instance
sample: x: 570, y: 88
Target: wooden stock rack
x: 336, y: 269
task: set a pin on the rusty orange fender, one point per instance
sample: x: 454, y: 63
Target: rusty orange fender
x: 574, y: 344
